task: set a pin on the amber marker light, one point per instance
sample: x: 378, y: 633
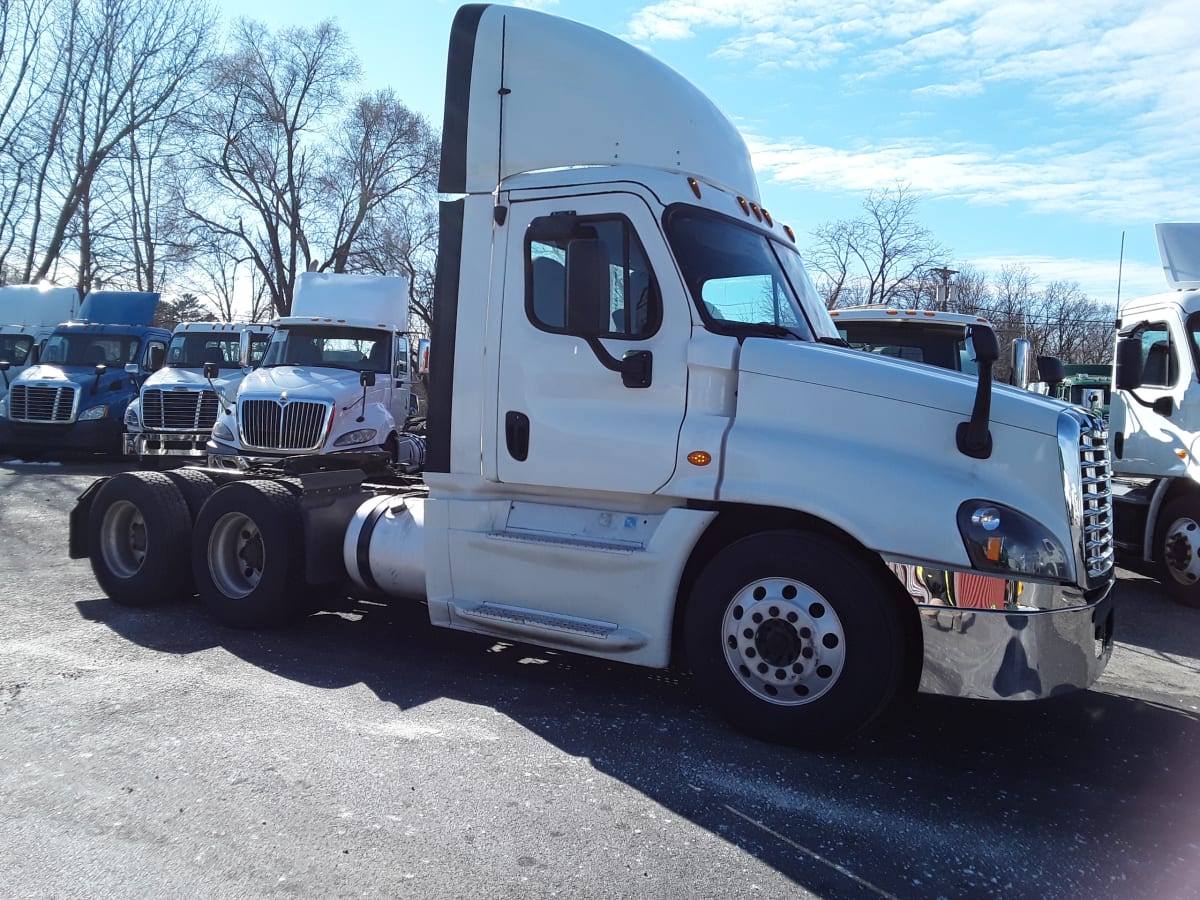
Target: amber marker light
x: 787, y: 229
x: 757, y: 213
x: 695, y: 186
x: 767, y: 216
x: 1182, y: 454
x: 699, y: 457
x: 994, y: 546
x: 744, y: 205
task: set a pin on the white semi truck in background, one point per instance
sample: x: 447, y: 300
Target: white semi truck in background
x: 1155, y: 421
x: 336, y: 378
x: 176, y: 407
x: 29, y: 314
x: 647, y: 442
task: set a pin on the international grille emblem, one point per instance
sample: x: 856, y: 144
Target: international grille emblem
x: 283, y: 399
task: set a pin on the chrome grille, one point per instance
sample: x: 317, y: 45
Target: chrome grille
x: 1096, y: 479
x: 295, y: 426
x: 178, y: 410
x: 30, y: 403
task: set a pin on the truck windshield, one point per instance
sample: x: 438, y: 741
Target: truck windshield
x: 922, y: 342
x: 191, y: 350
x: 14, y: 348
x: 329, y: 347
x: 744, y: 281
x: 84, y: 349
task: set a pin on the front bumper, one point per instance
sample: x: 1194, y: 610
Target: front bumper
x: 90, y: 436
x: 166, y: 443
x: 1056, y: 641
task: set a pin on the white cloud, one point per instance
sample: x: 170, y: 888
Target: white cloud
x: 1104, y: 182
x: 1096, y: 277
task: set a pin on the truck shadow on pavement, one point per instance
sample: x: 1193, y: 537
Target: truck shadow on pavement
x: 953, y: 798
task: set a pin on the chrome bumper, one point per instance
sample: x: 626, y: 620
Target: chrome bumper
x: 165, y: 443
x: 1055, y: 642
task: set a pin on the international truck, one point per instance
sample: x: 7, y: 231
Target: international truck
x: 336, y: 378
x: 647, y: 443
x: 28, y: 315
x: 172, y: 417
x: 74, y: 399
x: 1155, y: 421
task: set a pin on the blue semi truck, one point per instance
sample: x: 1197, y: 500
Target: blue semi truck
x: 73, y: 399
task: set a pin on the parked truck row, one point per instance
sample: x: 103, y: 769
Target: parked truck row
x: 646, y: 440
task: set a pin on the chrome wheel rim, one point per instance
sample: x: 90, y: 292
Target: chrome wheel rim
x: 236, y: 555
x: 1181, y: 550
x: 123, y: 539
x: 783, y: 642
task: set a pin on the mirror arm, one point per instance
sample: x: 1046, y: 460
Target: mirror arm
x: 973, y: 437
x: 635, y: 367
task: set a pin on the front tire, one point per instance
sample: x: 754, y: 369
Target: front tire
x: 248, y: 555
x: 138, y: 534
x: 1178, y: 546
x: 796, y: 639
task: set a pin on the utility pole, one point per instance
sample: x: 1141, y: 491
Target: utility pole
x: 942, y: 296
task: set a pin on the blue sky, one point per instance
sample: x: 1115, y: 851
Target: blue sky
x: 1034, y: 133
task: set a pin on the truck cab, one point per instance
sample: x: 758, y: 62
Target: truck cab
x: 74, y: 398
x: 1155, y: 420
x: 647, y: 441
x: 335, y: 377
x: 28, y: 316
x: 173, y: 415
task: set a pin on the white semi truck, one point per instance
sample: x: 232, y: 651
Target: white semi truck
x: 647, y: 442
x: 336, y: 378
x: 29, y: 314
x: 1155, y: 421
x: 176, y: 407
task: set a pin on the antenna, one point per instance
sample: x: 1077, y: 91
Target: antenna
x: 1120, y: 268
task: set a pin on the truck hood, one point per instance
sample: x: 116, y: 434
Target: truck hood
x: 308, y: 382
x: 114, y: 385
x: 165, y: 379
x: 905, y: 382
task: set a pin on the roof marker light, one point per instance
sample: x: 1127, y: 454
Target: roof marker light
x: 695, y: 186
x: 767, y: 216
x: 744, y: 205
x: 757, y: 211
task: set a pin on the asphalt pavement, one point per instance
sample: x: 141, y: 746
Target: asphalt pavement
x: 363, y: 753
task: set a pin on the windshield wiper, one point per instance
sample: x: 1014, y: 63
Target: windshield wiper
x: 834, y: 341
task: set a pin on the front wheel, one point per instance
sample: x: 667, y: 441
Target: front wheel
x: 248, y: 555
x: 1178, y: 548
x: 795, y: 639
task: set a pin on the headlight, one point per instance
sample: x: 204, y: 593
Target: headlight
x: 131, y: 417
x: 1003, y: 541
x: 94, y: 412
x: 358, y: 436
x: 222, y: 432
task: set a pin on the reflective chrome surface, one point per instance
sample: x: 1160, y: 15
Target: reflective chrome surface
x: 1017, y: 655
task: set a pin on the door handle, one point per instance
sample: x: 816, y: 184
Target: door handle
x: 516, y: 435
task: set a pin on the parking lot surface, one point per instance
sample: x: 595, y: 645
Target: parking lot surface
x: 363, y: 753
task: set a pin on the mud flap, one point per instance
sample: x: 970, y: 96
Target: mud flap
x: 77, y: 532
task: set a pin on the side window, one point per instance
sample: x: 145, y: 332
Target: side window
x: 1160, y: 365
x: 258, y: 347
x: 635, y: 305
x: 150, y: 345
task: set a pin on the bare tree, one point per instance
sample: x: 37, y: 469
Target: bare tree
x: 258, y: 139
x: 125, y: 63
x: 879, y: 257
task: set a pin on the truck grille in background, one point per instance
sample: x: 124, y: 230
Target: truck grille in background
x: 1097, y: 500
x: 298, y: 425
x: 27, y: 403
x: 179, y: 410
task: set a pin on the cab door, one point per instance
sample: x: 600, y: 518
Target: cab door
x: 1151, y: 441
x: 562, y: 419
